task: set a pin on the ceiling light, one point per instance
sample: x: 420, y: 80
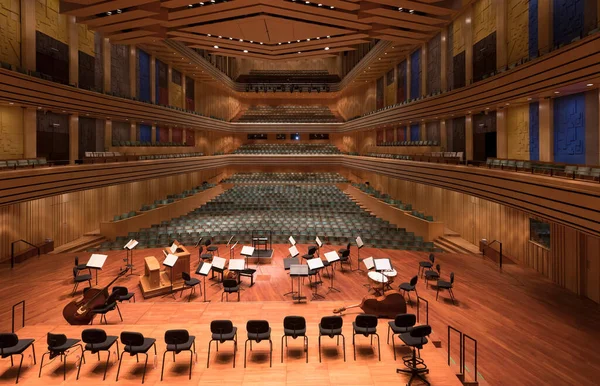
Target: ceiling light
x: 332, y: 7
x: 487, y: 108
x: 230, y: 38
x: 469, y: 112
x: 245, y: 51
x: 508, y: 104
x: 289, y: 42
x: 220, y: 36
x: 108, y: 13
x: 308, y: 40
x: 190, y: 5
x: 400, y: 9
x: 262, y: 43
x: 557, y: 92
x: 299, y: 52
x: 411, y: 11
x: 589, y: 84
x: 320, y: 5
x: 216, y: 46
x: 277, y: 44
x: 209, y: 35
x: 119, y: 11
x: 39, y: 107
x: 241, y: 40
x: 251, y: 41
x: 328, y: 36
x: 307, y: 2
x: 326, y: 48
x: 468, y: 20
x: 297, y: 41
x: 11, y: 103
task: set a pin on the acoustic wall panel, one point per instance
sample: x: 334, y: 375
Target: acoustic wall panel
x: 379, y: 94
x: 401, y: 92
x: 415, y: 74
x: 143, y: 79
x: 434, y: 62
x: 533, y: 28
x: 459, y: 70
x: 517, y: 30
x: 87, y: 71
x: 569, y: 129
x: 415, y: 132
x: 145, y: 133
x: 567, y: 20
x: 534, y: 131
x: 119, y: 70
x: 484, y: 57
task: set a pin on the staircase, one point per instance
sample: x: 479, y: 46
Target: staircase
x: 455, y: 244
x: 80, y: 245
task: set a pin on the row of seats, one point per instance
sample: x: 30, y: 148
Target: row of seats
x: 99, y: 158
x: 409, y: 143
x: 585, y: 172
x: 148, y: 144
x: 23, y: 163
x: 387, y: 199
x: 288, y: 114
x: 287, y: 148
x: 296, y: 178
x: 172, y: 155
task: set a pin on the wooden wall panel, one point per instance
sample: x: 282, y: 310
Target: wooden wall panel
x: 217, y: 102
x: 356, y: 101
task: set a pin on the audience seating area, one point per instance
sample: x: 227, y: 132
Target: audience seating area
x: 23, y: 163
x: 303, y: 211
x: 287, y: 76
x: 286, y: 178
x: 288, y: 114
x: 288, y: 148
x: 439, y: 157
x: 409, y: 143
x: 585, y: 172
x: 387, y: 199
x: 146, y: 144
x: 115, y: 156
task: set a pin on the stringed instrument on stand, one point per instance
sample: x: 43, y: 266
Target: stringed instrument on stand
x: 388, y: 305
x: 79, y: 312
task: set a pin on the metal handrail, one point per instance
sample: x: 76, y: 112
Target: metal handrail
x: 499, y: 243
x: 13, y: 315
x: 461, y: 364
x: 12, y: 250
x: 465, y: 336
x: 426, y: 310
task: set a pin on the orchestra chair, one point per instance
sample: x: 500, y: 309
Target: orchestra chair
x: 345, y: 259
x: 95, y: 341
x: 123, y: 294
x: 109, y: 305
x: 448, y: 285
x: 342, y: 250
x: 191, y: 283
x: 258, y: 330
x: 407, y: 288
x: 178, y: 341
x: 59, y: 344
x: 230, y: 286
x: 10, y: 345
x: 365, y: 324
x: 427, y: 264
x: 332, y: 326
x: 403, y: 323
x: 415, y: 366
x: 310, y: 253
x: 294, y: 326
x: 77, y: 278
x: 81, y: 267
x: 432, y: 274
x: 204, y: 256
x: 222, y: 331
x: 135, y: 344
x: 211, y: 248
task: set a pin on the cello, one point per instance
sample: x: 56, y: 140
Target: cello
x: 388, y: 305
x: 78, y: 312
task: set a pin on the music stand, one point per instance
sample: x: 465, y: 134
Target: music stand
x: 287, y: 263
x: 237, y: 265
x: 332, y: 257
x: 232, y: 250
x: 299, y: 270
x: 203, y: 271
x: 170, y: 261
x: 247, y: 252
x: 96, y: 262
x: 369, y: 265
x: 381, y: 265
x: 293, y: 251
x: 218, y: 264
x: 129, y: 257
x: 319, y: 245
x: 196, y: 246
x: 359, y: 245
x: 229, y: 241
x: 291, y: 240
x: 316, y: 265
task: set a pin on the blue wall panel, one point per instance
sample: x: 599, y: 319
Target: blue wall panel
x: 569, y: 129
x: 415, y: 132
x: 415, y: 74
x: 145, y: 133
x: 157, y: 134
x: 534, y: 131
x: 144, y: 76
x: 533, y: 28
x: 568, y: 20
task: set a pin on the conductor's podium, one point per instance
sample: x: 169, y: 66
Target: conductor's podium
x: 155, y: 282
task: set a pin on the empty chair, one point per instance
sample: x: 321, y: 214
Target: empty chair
x: 211, y: 248
x: 345, y: 259
x: 332, y: 326
x: 310, y: 254
x: 10, y: 345
x: 230, y: 286
x: 448, y: 285
x: 135, y: 344
x: 222, y: 331
x: 401, y: 324
x: 415, y: 366
x: 177, y: 341
x: 123, y: 294
x: 204, y: 256
x: 428, y: 264
x: 81, y: 267
x: 407, y: 288
x: 342, y: 250
x: 109, y: 305
x: 294, y: 326
x: 80, y: 278
x: 95, y: 341
x: 366, y: 325
x: 432, y: 274
x: 191, y: 283
x: 59, y: 344
x: 258, y: 330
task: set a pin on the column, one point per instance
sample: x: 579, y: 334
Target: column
x: 545, y: 37
x: 28, y: 35
x: 546, y: 129
x: 408, y: 131
x: 106, y: 53
x: 170, y: 134
x: 468, y: 137
x: 423, y: 131
x: 107, y: 134
x: 184, y: 136
x: 73, y: 138
x: 133, y: 132
x: 73, y: 50
x: 444, y: 58
x: 501, y: 134
x: 132, y: 71
x: 169, y: 93
x: 424, y: 69
x: 29, y: 132
x: 153, y: 80
x: 183, y: 87
x: 443, y: 135
x: 408, y: 96
x: 153, y: 134
x: 501, y: 34
x: 591, y: 127
x: 468, y: 35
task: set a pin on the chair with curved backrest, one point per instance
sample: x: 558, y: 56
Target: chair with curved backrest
x: 310, y: 253
x: 177, y: 341
x: 294, y: 326
x: 442, y: 284
x: 342, y: 250
x: 230, y: 286
x: 59, y: 344
x: 222, y: 331
x: 95, y: 341
x: 366, y: 325
x: 191, y: 283
x: 204, y: 256
x: 427, y: 264
x: 123, y: 294
x: 81, y: 267
x: 433, y: 274
x: 10, y: 345
x: 135, y: 344
x: 109, y: 305
x: 258, y: 330
x: 401, y: 324
x: 77, y: 278
x: 345, y: 258
x: 415, y: 366
x: 407, y: 288
x: 211, y: 248
x: 332, y: 326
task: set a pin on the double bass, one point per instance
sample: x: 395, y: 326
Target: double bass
x: 79, y: 312
x: 388, y: 305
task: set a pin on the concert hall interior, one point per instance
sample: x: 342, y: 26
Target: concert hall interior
x: 183, y: 181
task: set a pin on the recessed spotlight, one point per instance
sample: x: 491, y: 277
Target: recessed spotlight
x: 39, y: 107
x: 209, y: 35
x: 119, y: 11
x: 328, y: 36
x: 508, y: 104
x: 262, y: 43
x: 108, y: 13
x: 299, y: 52
x: 216, y: 46
x: 230, y: 38
x: 241, y: 40
x: 318, y: 38
x: 400, y: 9
x: 251, y: 41
x: 220, y: 37
x: 245, y: 51
x: 289, y: 42
x: 589, y: 84
x: 326, y: 48
x: 469, y: 112
x: 11, y: 103
x: 557, y: 92
x: 528, y: 99
x: 487, y: 108
x: 332, y: 7
x: 308, y: 40
x: 297, y: 41
x: 277, y: 44
x: 307, y: 2
x: 320, y: 5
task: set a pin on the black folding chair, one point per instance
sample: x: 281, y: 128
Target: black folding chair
x: 10, y: 345
x: 178, y: 341
x: 366, y: 325
x: 135, y: 344
x: 294, y: 326
x: 222, y: 331
x: 59, y: 344
x: 258, y: 330
x: 95, y: 341
x: 332, y: 326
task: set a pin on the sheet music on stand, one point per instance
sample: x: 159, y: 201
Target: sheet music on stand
x: 298, y: 271
x: 291, y: 240
x: 131, y: 244
x: 247, y: 251
x: 369, y: 263
x: 165, y: 253
x: 173, y: 248
x: 383, y: 264
x: 359, y: 242
x: 236, y: 264
x: 170, y: 261
x: 332, y: 256
x: 318, y: 241
x: 293, y: 251
x: 315, y: 263
x: 204, y: 269
x: 129, y: 256
x: 218, y: 262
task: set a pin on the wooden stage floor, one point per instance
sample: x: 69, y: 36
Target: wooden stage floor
x: 530, y: 331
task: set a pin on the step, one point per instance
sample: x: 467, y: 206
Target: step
x: 459, y: 244
x: 79, y: 245
x: 448, y: 247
